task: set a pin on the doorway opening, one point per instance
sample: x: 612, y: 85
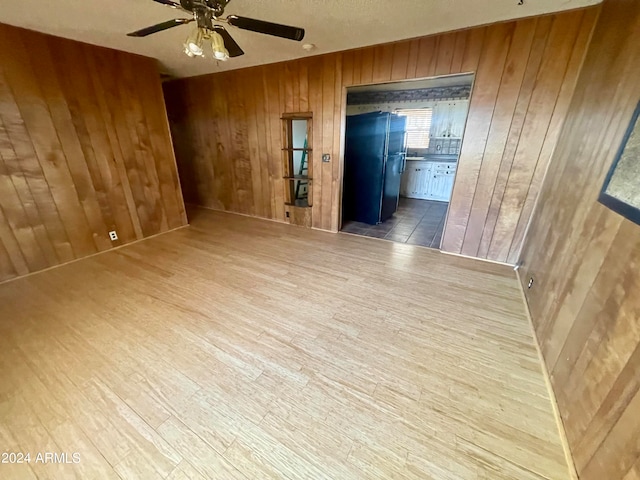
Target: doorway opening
x: 402, y: 145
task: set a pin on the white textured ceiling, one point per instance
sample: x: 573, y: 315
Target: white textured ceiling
x: 331, y: 25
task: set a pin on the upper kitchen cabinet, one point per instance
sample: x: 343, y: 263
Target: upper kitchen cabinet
x: 449, y: 119
x: 447, y: 127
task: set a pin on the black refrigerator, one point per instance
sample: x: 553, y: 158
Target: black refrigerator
x: 373, y: 165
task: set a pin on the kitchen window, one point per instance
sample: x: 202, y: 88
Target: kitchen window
x: 418, y: 127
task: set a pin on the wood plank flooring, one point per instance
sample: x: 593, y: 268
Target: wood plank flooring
x: 239, y: 348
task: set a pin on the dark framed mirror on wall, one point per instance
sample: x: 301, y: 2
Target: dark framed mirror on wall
x: 621, y: 189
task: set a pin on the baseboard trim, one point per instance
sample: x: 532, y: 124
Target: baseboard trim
x: 573, y: 472
x: 93, y: 254
x: 193, y: 205
x: 495, y: 262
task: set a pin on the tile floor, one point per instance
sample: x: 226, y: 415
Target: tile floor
x: 418, y: 222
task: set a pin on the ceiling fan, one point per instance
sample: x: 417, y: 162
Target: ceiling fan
x: 205, y: 13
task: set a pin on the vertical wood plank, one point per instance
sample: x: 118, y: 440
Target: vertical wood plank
x: 347, y: 67
x: 237, y: 130
x: 412, y: 60
x: 287, y: 79
x: 328, y: 121
x: 459, y: 51
x: 69, y: 122
x: 400, y: 60
x: 366, y: 68
x: 62, y: 130
x: 154, y: 113
x: 559, y: 114
x: 249, y: 86
x: 505, y: 105
x: 339, y: 112
x: 48, y: 152
x: 261, y: 119
x: 141, y: 156
x: 481, y: 109
x: 303, y: 75
x: 273, y: 157
x: 586, y: 259
x: 7, y: 267
x: 545, y: 94
x: 473, y: 49
x: 427, y: 57
x: 16, y: 234
x: 213, y: 138
x: 543, y: 27
x: 277, y: 171
x: 357, y: 67
x: 295, y: 79
x: 316, y: 95
x: 22, y: 220
x: 130, y: 166
x: 382, y: 63
x: 446, y: 51
x: 113, y: 166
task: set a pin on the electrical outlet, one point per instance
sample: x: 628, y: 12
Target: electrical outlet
x: 530, y: 284
x: 113, y: 235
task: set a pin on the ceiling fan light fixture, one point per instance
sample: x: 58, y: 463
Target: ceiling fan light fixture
x: 220, y: 52
x: 206, y: 14
x: 194, y: 43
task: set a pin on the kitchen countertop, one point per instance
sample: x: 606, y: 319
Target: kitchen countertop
x: 434, y: 158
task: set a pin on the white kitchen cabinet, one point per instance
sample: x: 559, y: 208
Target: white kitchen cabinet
x: 449, y: 119
x: 428, y: 180
x: 424, y: 181
x: 415, y: 179
x: 407, y: 180
x: 440, y: 187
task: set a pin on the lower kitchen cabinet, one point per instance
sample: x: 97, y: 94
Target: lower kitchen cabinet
x: 428, y: 180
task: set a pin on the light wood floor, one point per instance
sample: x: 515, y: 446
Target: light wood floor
x: 244, y: 349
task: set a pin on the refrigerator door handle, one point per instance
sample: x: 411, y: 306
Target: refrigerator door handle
x: 404, y: 162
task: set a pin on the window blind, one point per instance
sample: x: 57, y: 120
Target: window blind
x: 418, y: 126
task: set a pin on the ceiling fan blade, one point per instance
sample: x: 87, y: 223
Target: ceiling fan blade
x: 159, y: 27
x: 268, y: 28
x: 229, y: 43
x: 168, y: 3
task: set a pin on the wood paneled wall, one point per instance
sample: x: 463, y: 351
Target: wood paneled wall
x: 84, y: 149
x: 585, y: 260
x: 226, y: 126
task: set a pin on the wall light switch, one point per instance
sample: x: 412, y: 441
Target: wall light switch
x: 326, y: 157
x: 113, y: 236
